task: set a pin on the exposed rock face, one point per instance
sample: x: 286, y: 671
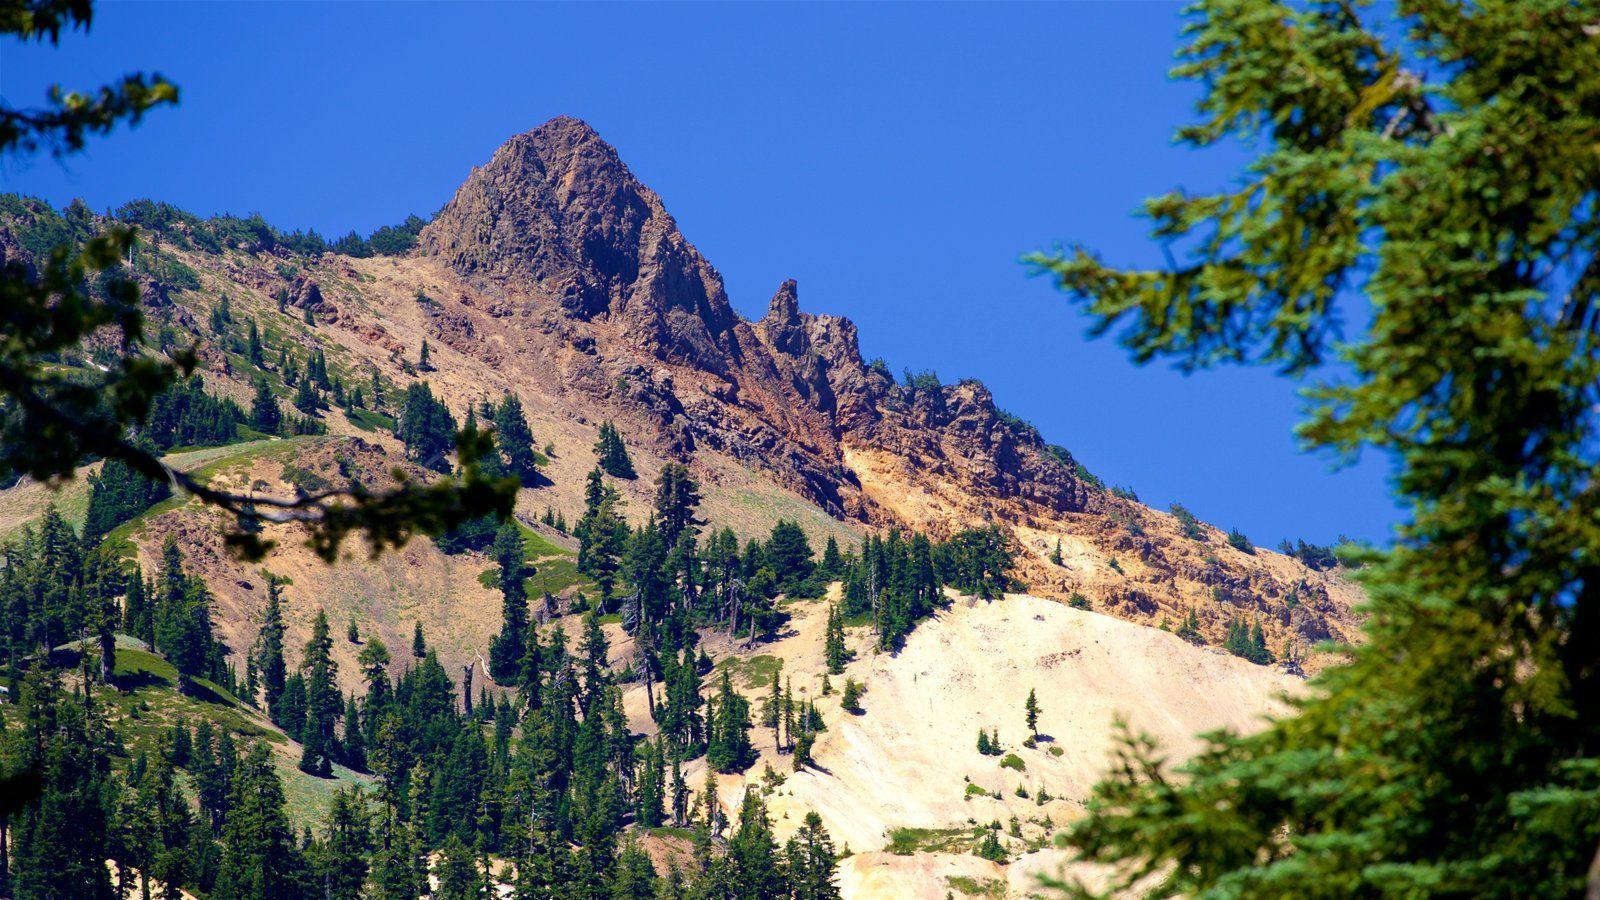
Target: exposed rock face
x: 556, y: 211
x: 555, y: 274
x: 556, y: 216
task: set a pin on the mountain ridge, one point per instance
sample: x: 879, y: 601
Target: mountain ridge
x: 554, y: 273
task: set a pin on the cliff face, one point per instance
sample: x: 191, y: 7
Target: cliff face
x: 556, y: 220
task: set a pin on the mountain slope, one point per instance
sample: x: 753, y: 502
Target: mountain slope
x: 554, y: 274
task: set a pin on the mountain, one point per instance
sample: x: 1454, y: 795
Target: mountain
x: 555, y: 275
x: 557, y: 239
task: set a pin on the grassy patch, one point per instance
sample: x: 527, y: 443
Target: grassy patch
x: 752, y: 672
x: 368, y: 420
x: 1013, y: 761
x: 975, y: 791
x: 148, y: 704
x: 976, y: 887
x: 1057, y: 751
x: 906, y: 841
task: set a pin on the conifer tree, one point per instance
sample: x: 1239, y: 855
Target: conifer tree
x: 419, y: 646
x: 832, y: 566
x: 265, y: 416
x: 508, y: 647
x: 269, y: 649
x: 1031, y: 712
x: 116, y: 495
x: 612, y: 454
x: 514, y: 440
x: 341, y: 867
x: 810, y: 862
x: 834, y: 652
x: 324, y: 706
x: 677, y: 499
x: 730, y: 749
x: 850, y: 699
x: 254, y: 349
x: 756, y: 867
x: 61, y: 841
x: 602, y: 533
x: 259, y: 855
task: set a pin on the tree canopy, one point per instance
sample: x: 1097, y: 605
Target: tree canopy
x: 1438, y: 160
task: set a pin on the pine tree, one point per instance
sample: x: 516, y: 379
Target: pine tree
x: 254, y: 349
x: 324, y: 706
x: 1031, y: 712
x: 834, y: 651
x: 514, y: 440
x: 342, y: 866
x: 730, y: 749
x: 612, y: 454
x: 265, y: 416
x: 788, y: 555
x: 601, y: 533
x: 832, y: 566
x: 353, y: 744
x: 507, y: 647
x: 756, y: 869
x: 61, y: 841
x: 850, y: 699
x: 269, y: 649
x: 116, y: 495
x: 259, y: 856
x: 677, y: 499
x: 306, y: 398
x: 426, y: 427
x: 811, y: 861
x: 419, y: 647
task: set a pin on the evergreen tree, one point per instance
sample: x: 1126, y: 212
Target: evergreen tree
x: 61, y: 841
x: 1469, y: 767
x: 426, y: 427
x: 850, y: 699
x: 612, y: 454
x: 1031, y: 712
x: 340, y: 868
x: 507, y: 647
x: 292, y: 707
x: 254, y: 349
x: 514, y: 440
x: 788, y: 555
x: 324, y: 706
x: 116, y: 495
x: 183, y: 620
x: 306, y: 398
x: 756, y: 869
x: 259, y: 856
x: 269, y: 649
x: 353, y: 744
x: 601, y: 533
x: 811, y: 860
x: 419, y: 647
x: 677, y: 499
x: 265, y: 416
x: 834, y: 652
x: 730, y: 749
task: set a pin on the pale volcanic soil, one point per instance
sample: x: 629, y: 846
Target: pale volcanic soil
x: 909, y: 758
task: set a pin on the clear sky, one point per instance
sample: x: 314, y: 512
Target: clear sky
x: 897, y: 159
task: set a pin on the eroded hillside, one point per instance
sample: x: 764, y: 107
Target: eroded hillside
x: 555, y: 275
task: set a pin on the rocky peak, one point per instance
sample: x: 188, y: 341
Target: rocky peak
x: 556, y: 214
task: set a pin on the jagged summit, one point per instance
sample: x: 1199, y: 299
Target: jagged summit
x: 557, y: 212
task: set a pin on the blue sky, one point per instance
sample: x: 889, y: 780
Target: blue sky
x: 896, y: 159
